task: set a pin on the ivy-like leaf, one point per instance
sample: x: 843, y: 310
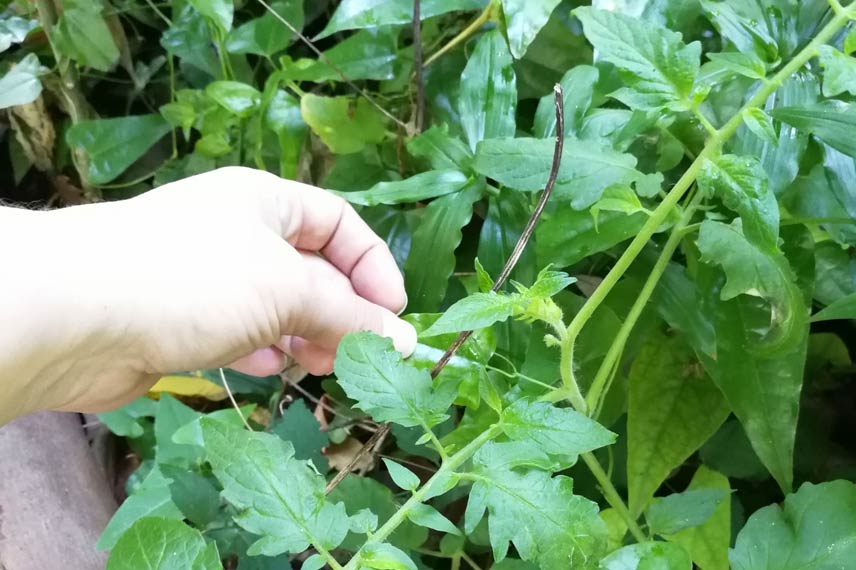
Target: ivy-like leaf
x: 422, y: 186
x: 82, y: 34
x: 557, y: 431
x: 221, y: 12
x: 346, y: 125
x: 238, y: 98
x: 793, y: 537
x: 658, y: 68
x: 488, y: 97
x: 645, y: 555
x: 368, y: 54
x: 282, y: 498
x: 163, y: 544
x: 523, y: 20
x: 14, y: 30
x: 21, y: 84
x: 353, y: 14
x: 266, y: 35
x: 373, y: 374
x: 680, y: 511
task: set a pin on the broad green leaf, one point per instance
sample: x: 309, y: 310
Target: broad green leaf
x: 745, y: 64
x: 283, y: 118
x: 125, y: 421
x: 708, y: 543
x: 831, y: 121
x: 82, y: 35
x: 364, y: 522
x: 523, y: 20
x: 300, y: 427
x: 314, y: 562
x: 648, y: 556
x: 557, y: 431
x: 431, y: 184
x: 843, y: 308
x: 345, y: 124
x: 368, y: 54
x: 814, y: 531
x: 657, y: 67
x: 14, y: 30
x: 21, y: 84
x: 566, y: 236
x: 839, y: 72
x: 195, y: 495
x: 742, y: 184
x: 432, y: 252
x: 617, y: 198
x: 172, y: 415
x: 516, y: 454
x: 539, y: 514
x: 281, y: 498
x: 157, y: 543
x: 547, y: 284
x: 238, y: 98
x: 429, y: 517
x: 761, y: 124
x: 189, y: 38
x: 673, y: 409
x: 191, y: 433
x: 680, y: 511
x: 381, y: 556
x: 266, y: 35
x: 485, y: 281
x: 115, y: 144
x: 836, y: 272
x: 488, y: 97
x: 730, y: 452
x: 221, y: 12
x: 151, y: 499
x: 578, y: 86
x: 351, y: 14
x: 585, y: 172
x: 443, y: 150
x: 401, y: 475
x: 475, y: 312
x: 680, y: 303
x: 373, y: 374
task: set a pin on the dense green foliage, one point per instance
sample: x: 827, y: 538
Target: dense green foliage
x: 681, y: 400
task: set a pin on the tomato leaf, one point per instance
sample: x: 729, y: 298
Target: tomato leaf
x: 163, y: 544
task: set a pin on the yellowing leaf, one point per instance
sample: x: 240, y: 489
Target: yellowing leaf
x: 188, y: 386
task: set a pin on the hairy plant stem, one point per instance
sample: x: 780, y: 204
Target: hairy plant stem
x: 464, y: 34
x: 446, y: 469
x: 602, y: 379
x: 612, y: 497
x: 711, y: 149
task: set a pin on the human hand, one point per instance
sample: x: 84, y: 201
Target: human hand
x: 235, y: 267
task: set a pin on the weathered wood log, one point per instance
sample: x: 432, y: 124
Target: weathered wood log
x: 54, y: 499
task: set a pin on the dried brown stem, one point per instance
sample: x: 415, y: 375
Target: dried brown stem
x: 500, y: 281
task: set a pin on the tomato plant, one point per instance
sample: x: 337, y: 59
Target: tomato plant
x: 662, y: 383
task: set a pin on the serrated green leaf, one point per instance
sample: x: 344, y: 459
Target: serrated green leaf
x: 266, y: 35
x: 485, y: 281
x: 163, y: 544
x: 839, y: 72
x: 475, y: 312
x: 708, y: 543
x: 557, y: 431
x: 368, y: 54
x: 745, y: 64
x: 578, y: 86
x: 424, y: 186
x: 657, y: 67
x: 742, y: 184
x: 221, y: 12
x: 172, y: 415
x: 281, y: 498
x: 513, y: 455
x: 381, y: 556
x: 673, y: 409
x: 401, y: 475
x: 679, y: 511
x: 191, y: 433
x: 346, y: 125
x: 364, y: 521
x: 373, y: 374
x: 648, y: 555
x: 586, y: 170
x: 523, y: 20
x: 549, y: 283
x: 21, y: 84
x: 539, y: 514
x: 761, y: 124
x: 125, y: 421
x: 429, y: 517
x: 300, y: 427
x: 814, y: 531
x: 352, y: 14
x: 488, y: 97
x: 115, y: 144
x: 443, y: 150
x: 831, y: 121
x: 82, y: 35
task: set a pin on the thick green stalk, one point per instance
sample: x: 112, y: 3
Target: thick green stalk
x: 447, y: 468
x: 612, y: 497
x: 711, y: 149
x: 465, y: 34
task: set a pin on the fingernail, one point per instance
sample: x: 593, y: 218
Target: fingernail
x: 401, y: 332
x: 404, y: 306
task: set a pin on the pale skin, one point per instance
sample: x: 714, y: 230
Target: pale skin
x: 235, y: 267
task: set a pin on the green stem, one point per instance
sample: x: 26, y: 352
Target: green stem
x: 711, y: 149
x: 470, y: 561
x: 612, y: 497
x: 446, y: 469
x: 474, y: 26
x: 600, y: 384
x: 836, y: 6
x: 332, y: 562
x: 569, y: 382
x: 708, y: 126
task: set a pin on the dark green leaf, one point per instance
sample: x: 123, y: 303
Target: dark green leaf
x: 125, y: 421
x: 266, y: 35
x: 82, y: 34
x: 299, y: 426
x: 831, y: 121
x: 441, y: 149
x: 195, y: 496
x: 21, y: 84
x: 657, y: 67
x: 843, y: 308
x: 220, y: 12
x: 577, y: 92
x: 282, y: 498
x: 372, y: 373
x: 648, y: 555
x: 368, y: 54
x: 488, y: 97
x: 523, y: 20
x: 115, y: 144
x: 352, y: 14
x: 432, y: 253
x: 427, y: 516
x: 163, y: 544
x: 283, y: 118
x: 345, y: 124
x: 673, y: 409
x: 420, y: 187
x: 171, y: 416
x: 814, y: 531
x: 238, y: 98
x: 680, y: 511
x: 402, y: 476
x: 189, y: 38
x: 730, y: 452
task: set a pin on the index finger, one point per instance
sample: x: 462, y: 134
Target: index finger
x: 316, y: 220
